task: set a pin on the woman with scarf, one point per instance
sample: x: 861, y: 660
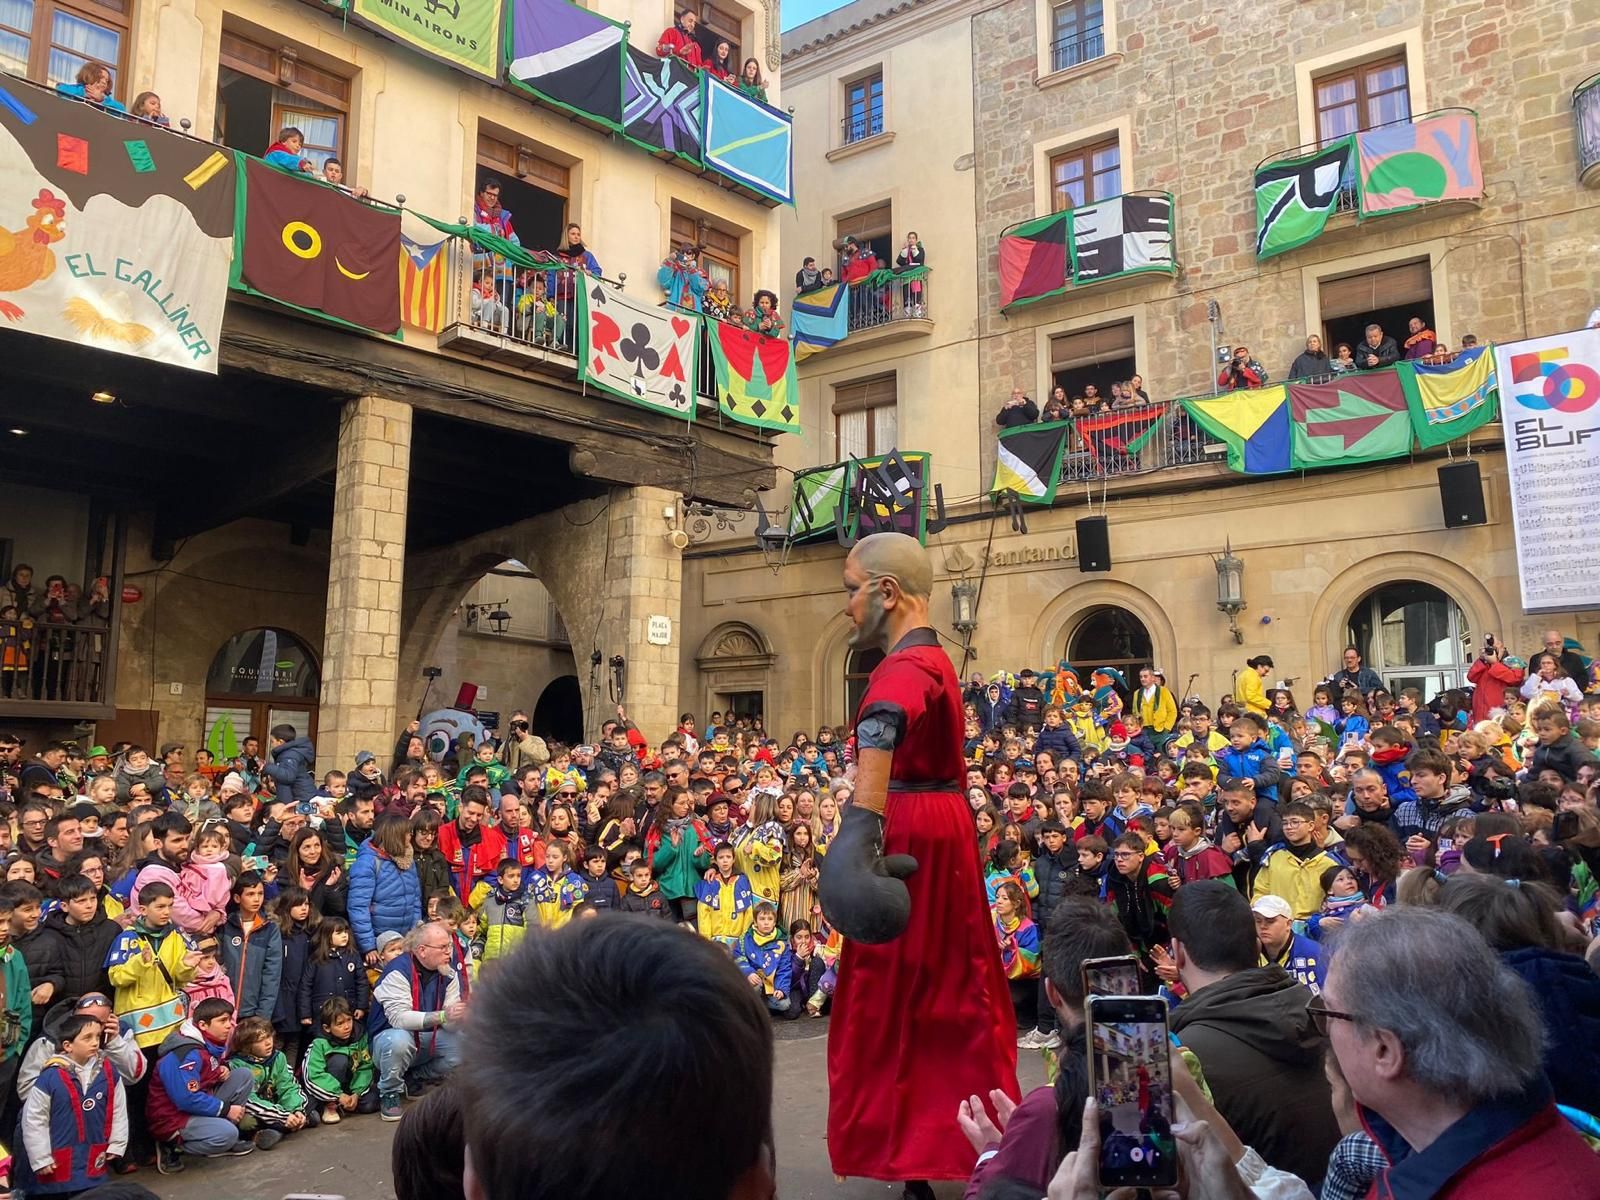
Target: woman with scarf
x: 1142, y: 894
x: 563, y: 287
x: 313, y: 867
x: 678, y: 849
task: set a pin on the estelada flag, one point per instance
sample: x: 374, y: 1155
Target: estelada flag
x: 1033, y: 259
x: 318, y: 249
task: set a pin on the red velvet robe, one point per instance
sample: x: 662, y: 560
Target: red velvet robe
x: 922, y: 1022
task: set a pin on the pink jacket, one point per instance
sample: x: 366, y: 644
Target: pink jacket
x: 205, y: 987
x: 199, y: 890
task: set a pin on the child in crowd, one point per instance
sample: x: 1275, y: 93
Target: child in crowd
x: 762, y: 956
x: 75, y: 1117
x: 150, y: 961
x: 297, y: 926
x: 276, y: 1101
x: 798, y: 883
x: 252, y: 950
x: 556, y: 887
x: 1007, y: 865
x: 339, y: 1070
x: 504, y: 905
x: 725, y: 903
x: 198, y: 805
x: 210, y: 979
x: 603, y: 890
x: 643, y: 894
x: 1352, y: 724
x: 1343, y: 902
x: 334, y: 970
x: 1019, y: 951
x: 463, y: 925
x: 806, y: 970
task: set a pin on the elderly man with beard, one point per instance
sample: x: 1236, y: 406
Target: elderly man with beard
x: 922, y: 1016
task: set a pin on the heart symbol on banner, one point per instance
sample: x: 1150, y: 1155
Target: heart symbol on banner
x: 680, y: 326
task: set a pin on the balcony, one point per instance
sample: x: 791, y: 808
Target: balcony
x: 1119, y: 238
x: 1423, y: 164
x: 500, y: 322
x: 1136, y: 441
x: 862, y: 123
x: 53, y: 667
x: 1586, y: 128
x: 1075, y: 49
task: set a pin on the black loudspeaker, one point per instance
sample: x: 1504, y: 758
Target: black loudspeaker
x: 1094, y: 544
x: 1461, y: 494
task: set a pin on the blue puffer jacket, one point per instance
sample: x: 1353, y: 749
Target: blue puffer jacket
x: 290, y: 769
x: 1568, y: 995
x: 1253, y: 762
x: 383, y: 896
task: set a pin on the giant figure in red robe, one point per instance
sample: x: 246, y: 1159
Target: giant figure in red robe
x: 922, y: 1016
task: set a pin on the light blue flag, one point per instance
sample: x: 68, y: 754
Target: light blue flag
x: 748, y: 141
x: 819, y: 319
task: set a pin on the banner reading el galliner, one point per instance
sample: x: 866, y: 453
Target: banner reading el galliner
x: 319, y: 249
x: 113, y: 233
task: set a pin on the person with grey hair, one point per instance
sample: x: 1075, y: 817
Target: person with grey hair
x: 1441, y: 1045
x: 416, y: 1007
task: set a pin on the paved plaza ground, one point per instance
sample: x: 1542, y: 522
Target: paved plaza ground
x: 351, y: 1159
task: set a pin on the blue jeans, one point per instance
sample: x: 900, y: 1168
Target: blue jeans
x: 213, y: 1135
x: 779, y: 1006
x: 398, y: 1057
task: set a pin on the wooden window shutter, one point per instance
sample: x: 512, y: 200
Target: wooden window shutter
x: 864, y: 225
x: 1068, y: 350
x: 1390, y: 287
x: 865, y: 393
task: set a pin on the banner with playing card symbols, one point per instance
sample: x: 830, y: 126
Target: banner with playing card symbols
x: 640, y: 352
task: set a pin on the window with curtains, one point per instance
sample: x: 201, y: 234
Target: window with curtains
x: 1355, y: 98
x: 1077, y: 33
x: 719, y: 250
x: 261, y: 89
x: 866, y: 418
x: 1085, y: 174
x: 49, y: 40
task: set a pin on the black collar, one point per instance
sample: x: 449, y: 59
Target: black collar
x: 924, y: 636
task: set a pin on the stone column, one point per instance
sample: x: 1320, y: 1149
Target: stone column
x: 366, y: 565
x: 644, y: 579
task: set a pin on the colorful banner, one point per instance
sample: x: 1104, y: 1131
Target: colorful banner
x: 889, y: 494
x: 463, y: 33
x: 1123, y: 235
x: 643, y: 353
x: 568, y: 56
x: 1028, y: 462
x: 1034, y: 260
x: 818, y: 493
x: 423, y: 258
x: 1453, y: 398
x: 1294, y: 199
x: 1115, y: 439
x: 1419, y: 162
x: 1254, y: 424
x: 317, y: 248
x: 756, y: 383
x: 1357, y: 418
x: 661, y: 104
x: 748, y: 141
x: 819, y: 319
x: 113, y: 233
x: 1549, y: 393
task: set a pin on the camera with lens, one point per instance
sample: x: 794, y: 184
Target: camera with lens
x: 519, y: 727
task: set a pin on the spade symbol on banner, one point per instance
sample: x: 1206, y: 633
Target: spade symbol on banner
x: 598, y: 295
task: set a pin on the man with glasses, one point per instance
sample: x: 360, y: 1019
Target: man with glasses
x: 416, y: 1007
x: 31, y: 824
x: 1249, y: 1027
x: 1438, y: 1037
x: 1293, y: 868
x: 1353, y: 675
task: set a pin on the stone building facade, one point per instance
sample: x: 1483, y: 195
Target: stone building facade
x: 1186, y: 99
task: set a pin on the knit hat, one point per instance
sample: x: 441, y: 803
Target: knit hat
x: 387, y: 936
x: 363, y: 757
x: 232, y: 782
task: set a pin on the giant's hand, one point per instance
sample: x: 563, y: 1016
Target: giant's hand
x: 861, y: 891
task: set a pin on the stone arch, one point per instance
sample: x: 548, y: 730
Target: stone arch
x: 1057, y: 620
x: 827, y: 672
x: 736, y: 657
x: 733, y: 640
x: 1331, y: 613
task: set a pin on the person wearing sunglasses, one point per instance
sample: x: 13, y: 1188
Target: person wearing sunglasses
x: 1440, y: 1039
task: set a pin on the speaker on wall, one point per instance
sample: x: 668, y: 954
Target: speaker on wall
x: 1094, y: 544
x: 1461, y: 494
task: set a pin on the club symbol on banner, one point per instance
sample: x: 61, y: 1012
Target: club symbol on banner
x: 636, y: 349
x: 677, y: 396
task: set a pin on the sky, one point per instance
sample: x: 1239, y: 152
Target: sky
x: 798, y: 12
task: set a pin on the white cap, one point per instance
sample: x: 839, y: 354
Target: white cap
x: 1272, y: 906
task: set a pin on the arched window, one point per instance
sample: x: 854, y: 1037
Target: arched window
x: 1110, y: 637
x: 857, y: 670
x: 260, y: 679
x: 1412, y: 635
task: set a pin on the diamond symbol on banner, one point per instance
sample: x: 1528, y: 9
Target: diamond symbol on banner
x: 759, y: 409
x: 787, y: 414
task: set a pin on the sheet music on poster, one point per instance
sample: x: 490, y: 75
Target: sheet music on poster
x: 1550, y: 412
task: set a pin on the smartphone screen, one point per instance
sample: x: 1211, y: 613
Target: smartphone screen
x: 1130, y: 1073
x: 1114, y: 976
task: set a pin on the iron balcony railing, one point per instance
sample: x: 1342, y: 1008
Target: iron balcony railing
x: 886, y: 299
x: 63, y: 663
x: 1586, y: 127
x: 862, y: 123
x: 1084, y: 46
x: 1134, y: 441
x: 1349, y: 199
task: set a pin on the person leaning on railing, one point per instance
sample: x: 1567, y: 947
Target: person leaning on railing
x: 93, y: 84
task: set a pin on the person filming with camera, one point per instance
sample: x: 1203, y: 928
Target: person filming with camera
x: 1241, y: 371
x: 522, y: 747
x: 1491, y: 674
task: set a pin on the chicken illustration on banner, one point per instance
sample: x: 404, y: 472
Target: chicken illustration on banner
x: 112, y: 235
x: 318, y: 249
x: 638, y: 352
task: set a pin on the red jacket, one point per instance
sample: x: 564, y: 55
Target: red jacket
x: 1489, y: 682
x: 527, y: 848
x: 187, y: 1067
x: 675, y: 43
x: 478, y: 863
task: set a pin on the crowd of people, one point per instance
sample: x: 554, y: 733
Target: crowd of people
x: 856, y: 263
x: 234, y: 952
x: 42, y: 656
